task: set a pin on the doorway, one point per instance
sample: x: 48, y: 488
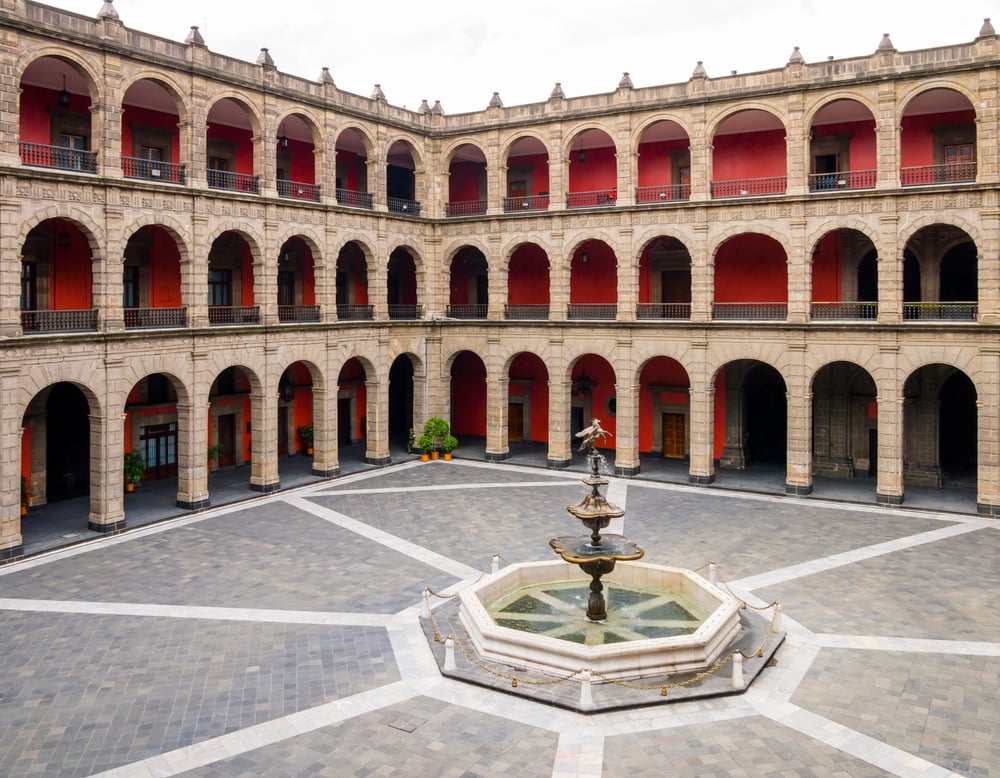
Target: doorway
x: 515, y: 422
x: 227, y: 439
x: 674, y: 442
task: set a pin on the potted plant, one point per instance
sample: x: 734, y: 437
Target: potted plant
x: 25, y: 494
x: 214, y: 452
x: 437, y: 430
x: 448, y: 444
x: 306, y: 436
x: 134, y: 468
x: 426, y: 443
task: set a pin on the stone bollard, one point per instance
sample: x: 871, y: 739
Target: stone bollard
x: 449, y: 654
x: 777, y: 617
x: 738, y: 682
x: 495, y: 564
x: 586, y: 696
x: 713, y: 574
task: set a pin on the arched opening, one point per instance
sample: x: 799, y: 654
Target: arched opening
x: 593, y: 171
x: 297, y: 282
x: 593, y: 396
x: 837, y: 275
x: 54, y: 120
x: 527, y: 401
x: 527, y: 176
x: 352, y: 170
x: 352, y: 410
x: 229, y: 148
x: 295, y: 160
x: 230, y: 282
x: 295, y: 430
x: 664, y: 409
x: 959, y: 428
x: 664, y: 280
x: 57, y: 279
x: 401, y: 180
x: 352, y: 284
x: 938, y: 139
x: 748, y: 155
x: 468, y: 287
x: 751, y: 418
x: 593, y: 282
x: 151, y: 140
x: 528, y: 283
x: 466, y: 182
x: 751, y: 279
x: 468, y: 400
x: 664, y: 163
x: 151, y: 280
x: 401, y: 286
x: 230, y: 420
x: 401, y: 403
x: 844, y: 423
x: 842, y: 148
x: 940, y: 275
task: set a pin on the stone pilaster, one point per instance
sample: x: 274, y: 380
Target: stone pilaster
x: 326, y: 456
x: 107, y: 451
x: 192, y: 456
x: 702, y: 276
x: 890, y: 271
x: 10, y: 267
x: 889, y: 485
x: 799, y: 275
x: 264, y: 431
x: 194, y: 273
x: 627, y: 425
x: 377, y: 440
x: 497, y: 443
x: 887, y: 137
x: 10, y: 472
x: 798, y: 475
x: 560, y: 448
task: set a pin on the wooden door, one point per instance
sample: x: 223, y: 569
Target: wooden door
x: 673, y: 435
x: 159, y: 450
x: 515, y: 422
x: 227, y: 439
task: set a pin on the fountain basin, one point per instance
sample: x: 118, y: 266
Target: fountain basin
x: 716, y: 613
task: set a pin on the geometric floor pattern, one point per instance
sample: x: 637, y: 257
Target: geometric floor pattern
x: 281, y: 637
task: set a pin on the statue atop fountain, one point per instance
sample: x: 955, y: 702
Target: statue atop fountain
x: 596, y: 555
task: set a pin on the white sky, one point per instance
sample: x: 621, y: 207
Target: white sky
x: 461, y: 51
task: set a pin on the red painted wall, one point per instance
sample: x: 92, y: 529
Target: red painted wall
x: 302, y: 410
x: 598, y: 173
x: 539, y: 164
x: 826, y: 270
x: 862, y: 148
x: 917, y: 138
x: 463, y: 181
x: 25, y: 454
x: 749, y: 155
x: 528, y: 276
x: 164, y: 271
x: 468, y: 393
x: 350, y: 161
x: 34, y: 124
x: 246, y: 282
x: 719, y: 415
x: 308, y: 278
x: 597, y: 281
x: 71, y: 276
x: 530, y: 367
x: 158, y: 119
x: 661, y: 371
x: 655, y: 165
x: 303, y: 162
x: 243, y: 139
x: 604, y: 389
x: 751, y: 269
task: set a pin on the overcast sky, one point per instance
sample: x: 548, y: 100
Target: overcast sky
x: 461, y: 51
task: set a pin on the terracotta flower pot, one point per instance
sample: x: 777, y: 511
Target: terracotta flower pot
x: 434, y: 455
x: 129, y: 486
x: 425, y: 458
x: 309, y: 451
x: 447, y: 456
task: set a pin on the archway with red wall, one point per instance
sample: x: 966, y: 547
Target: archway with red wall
x: 593, y: 395
x: 468, y: 396
x: 527, y: 399
x: 664, y: 409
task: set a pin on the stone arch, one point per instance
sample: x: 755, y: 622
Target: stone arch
x: 413, y: 146
x: 38, y: 381
x: 641, y: 242
x: 245, y: 231
x: 90, y: 72
x: 729, y: 110
x: 456, y: 144
x: 450, y: 251
x: 827, y: 98
x: 240, y: 98
x: 94, y: 233
x: 311, y: 120
x: 570, y: 136
x: 833, y: 225
x: 508, y: 249
x: 648, y: 121
x: 220, y: 362
x: 164, y: 79
x: 509, y: 142
x: 906, y: 95
x: 149, y: 365
x: 511, y: 351
x: 869, y: 362
x: 573, y: 242
x: 179, y: 232
x: 716, y: 241
x: 363, y: 242
x: 911, y: 228
x: 308, y: 236
x: 363, y: 133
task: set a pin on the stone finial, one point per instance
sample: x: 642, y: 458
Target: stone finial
x: 495, y: 101
x: 194, y: 38
x: 796, y: 58
x: 437, y: 110
x: 699, y: 70
x: 108, y: 11
x: 264, y: 58
x: 377, y: 93
x: 424, y: 107
x: 987, y: 31
x: 557, y: 92
x: 885, y: 44
x: 325, y: 77
x: 625, y: 82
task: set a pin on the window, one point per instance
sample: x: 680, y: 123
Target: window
x: 130, y: 287
x: 220, y: 284
x: 286, y: 287
x: 73, y: 145
x: 217, y: 167
x: 29, y: 286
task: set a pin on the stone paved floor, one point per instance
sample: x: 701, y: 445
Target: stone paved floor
x: 280, y: 637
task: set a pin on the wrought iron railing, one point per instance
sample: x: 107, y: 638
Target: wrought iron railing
x: 662, y: 194
x: 601, y: 198
x: 591, y: 310
x: 405, y: 312
x: 756, y: 311
x: 224, y: 315
x: 289, y: 314
x: 150, y: 318
x: 954, y: 173
x: 233, y: 182
x: 940, y: 311
x: 404, y: 207
x: 298, y: 190
x: 59, y: 321
x: 848, y: 310
x: 151, y: 170
x: 355, y: 312
x: 522, y: 311
x: 743, y: 187
x: 528, y: 203
x: 663, y: 311
x: 466, y: 311
x: 40, y: 155
x: 354, y: 199
x: 848, y: 179
x: 465, y: 208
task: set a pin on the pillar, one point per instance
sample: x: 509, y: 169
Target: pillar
x: 377, y: 431
x: 11, y: 547
x: 264, y: 431
x: 889, y: 485
x: 988, y: 435
x: 326, y: 456
x: 192, y: 456
x: 702, y: 423
x: 798, y: 474
x: 497, y: 443
x: 560, y: 448
x: 627, y: 425
x: 107, y: 451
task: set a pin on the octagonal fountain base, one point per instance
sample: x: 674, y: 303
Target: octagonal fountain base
x: 666, y: 625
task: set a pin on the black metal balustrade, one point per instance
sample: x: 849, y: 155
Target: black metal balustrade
x: 228, y: 315
x: 751, y: 311
x: 662, y: 194
x: 843, y: 311
x: 151, y: 170
x: 592, y: 311
x: 940, y: 311
x: 298, y: 190
x: 536, y: 311
x: 58, y: 321
x: 847, y: 179
x: 466, y: 311
x: 405, y: 312
x: 152, y: 318
x: 663, y: 311
x: 301, y: 314
x: 404, y: 207
x: 953, y: 173
x: 744, y: 187
x: 529, y: 203
x: 40, y: 155
x: 233, y: 182
x: 602, y: 198
x: 354, y: 312
x: 465, y: 208
x: 354, y: 199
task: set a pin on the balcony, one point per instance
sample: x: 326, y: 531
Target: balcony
x: 352, y: 312
x: 298, y: 314
x: 843, y: 311
x: 233, y: 182
x: 539, y: 202
x: 466, y: 311
x: 154, y: 318
x: 297, y: 190
x: 662, y: 194
x: 749, y: 187
x: 536, y: 312
x: 403, y: 312
x: 940, y: 311
x: 663, y: 311
x: 354, y: 199
x: 602, y: 198
x: 602, y: 311
x: 465, y: 208
x: 39, y: 155
x: 231, y: 315
x: 149, y: 170
x: 750, y: 311
x: 33, y: 322
x: 404, y: 207
x: 838, y: 182
x: 955, y: 173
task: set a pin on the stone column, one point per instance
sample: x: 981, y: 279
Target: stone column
x: 560, y: 452
x: 627, y: 427
x: 799, y: 275
x: 378, y: 273
x: 264, y: 432
x: 326, y: 457
x: 628, y: 278
x: 701, y: 158
x: 796, y: 147
x: 497, y: 443
x: 887, y: 137
x: 192, y: 455
x: 107, y: 274
x: 889, y: 486
x: 988, y: 274
x: 559, y: 276
x: 988, y: 435
x: 702, y: 276
x: 265, y: 276
x: 10, y: 267
x: 11, y: 547
x: 107, y: 451
x: 890, y: 271
x: 702, y: 409
x: 194, y: 273
x: 377, y: 433
x: 733, y: 452
x: 798, y: 474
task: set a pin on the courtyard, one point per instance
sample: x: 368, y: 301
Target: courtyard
x: 282, y: 637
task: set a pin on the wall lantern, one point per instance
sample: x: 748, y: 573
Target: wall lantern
x: 583, y: 384
x: 64, y: 95
x: 581, y: 156
x: 64, y: 240
x: 585, y: 258
x: 283, y: 140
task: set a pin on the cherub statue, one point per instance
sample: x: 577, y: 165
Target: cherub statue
x: 592, y: 435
